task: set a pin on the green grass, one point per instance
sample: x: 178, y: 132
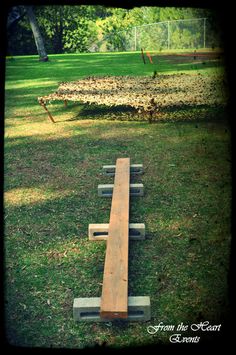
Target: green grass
x: 51, y: 177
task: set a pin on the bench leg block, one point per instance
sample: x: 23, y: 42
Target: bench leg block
x: 136, y: 190
x: 135, y: 169
x: 107, y: 190
x: 88, y: 309
x: 137, y: 231
x: 100, y: 231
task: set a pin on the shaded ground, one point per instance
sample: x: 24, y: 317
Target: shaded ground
x: 194, y: 57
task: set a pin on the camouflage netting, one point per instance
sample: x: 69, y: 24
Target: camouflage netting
x: 147, y: 94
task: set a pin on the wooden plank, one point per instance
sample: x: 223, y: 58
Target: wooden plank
x: 114, y: 299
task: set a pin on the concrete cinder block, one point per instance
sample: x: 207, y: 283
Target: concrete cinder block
x: 107, y: 190
x: 135, y: 169
x: 139, y: 308
x: 136, y: 190
x: 137, y: 231
x: 88, y: 309
x: 100, y: 231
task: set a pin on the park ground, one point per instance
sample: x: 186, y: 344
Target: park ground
x: 51, y: 175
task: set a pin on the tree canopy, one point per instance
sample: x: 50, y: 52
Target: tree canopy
x: 81, y: 28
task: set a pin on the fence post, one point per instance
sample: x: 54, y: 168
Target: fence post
x: 168, y: 34
x: 204, y: 33
x: 135, y: 38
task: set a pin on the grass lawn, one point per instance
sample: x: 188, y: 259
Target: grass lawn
x: 51, y: 177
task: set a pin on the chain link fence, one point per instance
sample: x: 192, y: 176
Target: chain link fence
x: 168, y: 35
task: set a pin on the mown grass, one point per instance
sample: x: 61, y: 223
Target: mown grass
x: 51, y: 177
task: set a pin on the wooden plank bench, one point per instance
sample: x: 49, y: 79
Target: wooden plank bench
x: 114, y: 302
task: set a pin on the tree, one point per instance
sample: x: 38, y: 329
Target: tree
x: 37, y: 34
x: 68, y: 28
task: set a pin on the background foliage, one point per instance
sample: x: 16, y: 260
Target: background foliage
x: 73, y: 29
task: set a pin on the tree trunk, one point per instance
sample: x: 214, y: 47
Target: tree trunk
x: 37, y: 35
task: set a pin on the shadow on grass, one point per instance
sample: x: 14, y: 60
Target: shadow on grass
x: 70, y: 67
x: 97, y: 112
x: 90, y: 64
x: 172, y: 113
x: 170, y: 63
x: 51, y: 262
x: 181, y: 266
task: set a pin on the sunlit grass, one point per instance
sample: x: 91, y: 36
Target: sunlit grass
x: 31, y: 196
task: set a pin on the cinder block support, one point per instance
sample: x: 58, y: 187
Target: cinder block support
x: 137, y: 231
x: 136, y: 190
x: 107, y: 190
x: 135, y: 169
x: 100, y: 231
x: 88, y: 309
